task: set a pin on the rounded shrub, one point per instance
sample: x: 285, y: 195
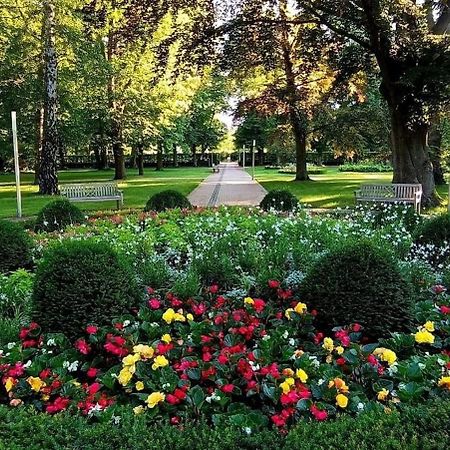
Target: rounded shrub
x: 57, y: 214
x: 167, y: 200
x: 359, y: 283
x: 281, y: 200
x: 15, y: 247
x: 82, y: 282
x: 434, y: 231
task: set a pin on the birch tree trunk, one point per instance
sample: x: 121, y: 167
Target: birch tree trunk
x: 48, y: 169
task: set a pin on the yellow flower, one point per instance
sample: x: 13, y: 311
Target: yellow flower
x: 9, y: 383
x: 131, y: 360
x: 166, y: 338
x: 155, y: 398
x: 445, y: 382
x: 287, y: 313
x: 36, y: 383
x: 138, y: 410
x: 429, y: 326
x: 45, y: 398
x: 249, y: 301
x: 286, y: 385
x: 382, y: 395
x: 339, y: 350
x: 424, y: 337
x: 178, y: 317
x: 300, y: 308
x: 385, y: 355
x: 328, y: 344
x: 145, y: 351
x: 189, y: 317
x: 169, y: 315
x: 341, y: 400
x: 160, y: 361
x: 139, y: 386
x: 125, y: 376
x: 301, y: 375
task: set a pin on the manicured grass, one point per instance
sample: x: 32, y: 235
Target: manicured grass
x: 329, y: 190
x: 136, y: 189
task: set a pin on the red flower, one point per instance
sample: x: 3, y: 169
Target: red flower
x: 93, y: 388
x: 318, y: 338
x: 278, y: 420
x: 172, y: 400
x: 259, y: 305
x: 82, y: 346
x: 92, y: 372
x: 273, y: 284
x: 227, y: 388
x: 222, y: 359
x: 175, y: 420
x: 214, y: 289
x: 91, y: 329
x: 180, y: 394
x: 340, y: 361
x: 45, y: 374
x: 118, y: 326
x: 154, y: 303
x: 59, y: 404
x: 356, y: 327
x: 439, y: 289
x: 318, y: 413
x: 199, y: 309
x: 445, y: 309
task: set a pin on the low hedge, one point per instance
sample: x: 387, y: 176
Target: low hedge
x: 420, y: 427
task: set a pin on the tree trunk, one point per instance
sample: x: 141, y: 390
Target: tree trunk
x: 435, y: 143
x: 301, y: 171
x: 410, y: 156
x: 39, y: 124
x: 159, y: 156
x: 175, y: 155
x: 117, y: 146
x: 194, y: 155
x: 48, y: 169
x: 133, y: 157
x: 140, y: 158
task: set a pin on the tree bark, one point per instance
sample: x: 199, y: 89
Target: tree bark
x: 435, y: 143
x: 140, y: 158
x: 301, y: 170
x: 194, y: 155
x: 48, y: 169
x: 175, y: 155
x: 39, y: 124
x: 159, y: 156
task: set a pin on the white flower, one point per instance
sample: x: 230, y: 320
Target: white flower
x: 51, y: 342
x: 73, y: 367
x: 266, y: 337
x: 248, y: 430
x: 285, y: 334
x: 292, y: 341
x: 11, y: 345
x: 126, y: 323
x: 27, y: 364
x: 360, y: 406
x: 116, y: 420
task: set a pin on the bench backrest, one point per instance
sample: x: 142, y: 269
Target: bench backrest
x: 89, y: 190
x: 406, y: 191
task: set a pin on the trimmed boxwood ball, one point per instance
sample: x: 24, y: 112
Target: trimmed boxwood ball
x: 168, y: 199
x: 359, y: 283
x: 57, y: 214
x: 82, y: 282
x: 434, y: 231
x: 15, y: 247
x: 280, y: 200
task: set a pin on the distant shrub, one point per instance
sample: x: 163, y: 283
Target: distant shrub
x: 359, y: 283
x: 81, y: 282
x: 312, y: 170
x: 280, y: 200
x: 58, y: 214
x: 365, y: 166
x: 15, y: 247
x: 167, y: 200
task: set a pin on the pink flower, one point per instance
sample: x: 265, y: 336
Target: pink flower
x: 227, y: 388
x: 273, y: 284
x: 93, y: 388
x: 91, y: 329
x: 59, y: 404
x: 213, y: 289
x: 438, y: 289
x: 154, y: 303
x: 445, y: 309
x: 259, y: 305
x: 318, y: 413
x: 82, y: 346
x: 92, y: 372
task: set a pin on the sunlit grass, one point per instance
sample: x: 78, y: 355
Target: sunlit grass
x: 137, y: 189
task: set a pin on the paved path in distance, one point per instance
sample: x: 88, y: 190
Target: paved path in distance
x: 231, y: 186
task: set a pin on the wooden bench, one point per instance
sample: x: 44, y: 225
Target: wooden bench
x: 215, y: 168
x: 92, y: 192
x: 390, y: 193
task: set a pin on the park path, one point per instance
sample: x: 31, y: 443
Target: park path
x: 231, y: 186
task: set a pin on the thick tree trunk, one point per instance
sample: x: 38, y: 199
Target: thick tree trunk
x: 140, y: 158
x: 301, y: 172
x: 39, y: 134
x: 159, y: 157
x: 410, y: 156
x: 48, y: 169
x: 117, y: 146
x: 434, y: 144
x: 194, y: 155
x: 175, y: 155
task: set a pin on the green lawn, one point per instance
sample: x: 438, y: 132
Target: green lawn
x: 329, y: 190
x: 136, y: 189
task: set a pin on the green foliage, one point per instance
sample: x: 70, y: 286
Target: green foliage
x: 15, y: 248
x: 434, y: 231
x: 187, y: 285
x: 57, y: 215
x: 168, y: 199
x: 9, y: 330
x: 365, y: 166
x: 359, y: 283
x: 15, y: 295
x: 280, y: 200
x: 81, y: 282
x: 154, y: 272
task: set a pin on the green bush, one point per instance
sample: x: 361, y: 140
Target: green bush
x: 15, y: 247
x: 167, y: 200
x: 365, y: 166
x: 359, y: 283
x: 281, y: 200
x: 15, y: 295
x: 9, y: 330
x: 81, y: 282
x: 434, y: 231
x: 58, y: 214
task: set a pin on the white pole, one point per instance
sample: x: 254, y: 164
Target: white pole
x: 243, y: 159
x: 16, y: 163
x: 253, y: 159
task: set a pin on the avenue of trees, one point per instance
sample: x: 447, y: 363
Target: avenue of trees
x: 353, y: 76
